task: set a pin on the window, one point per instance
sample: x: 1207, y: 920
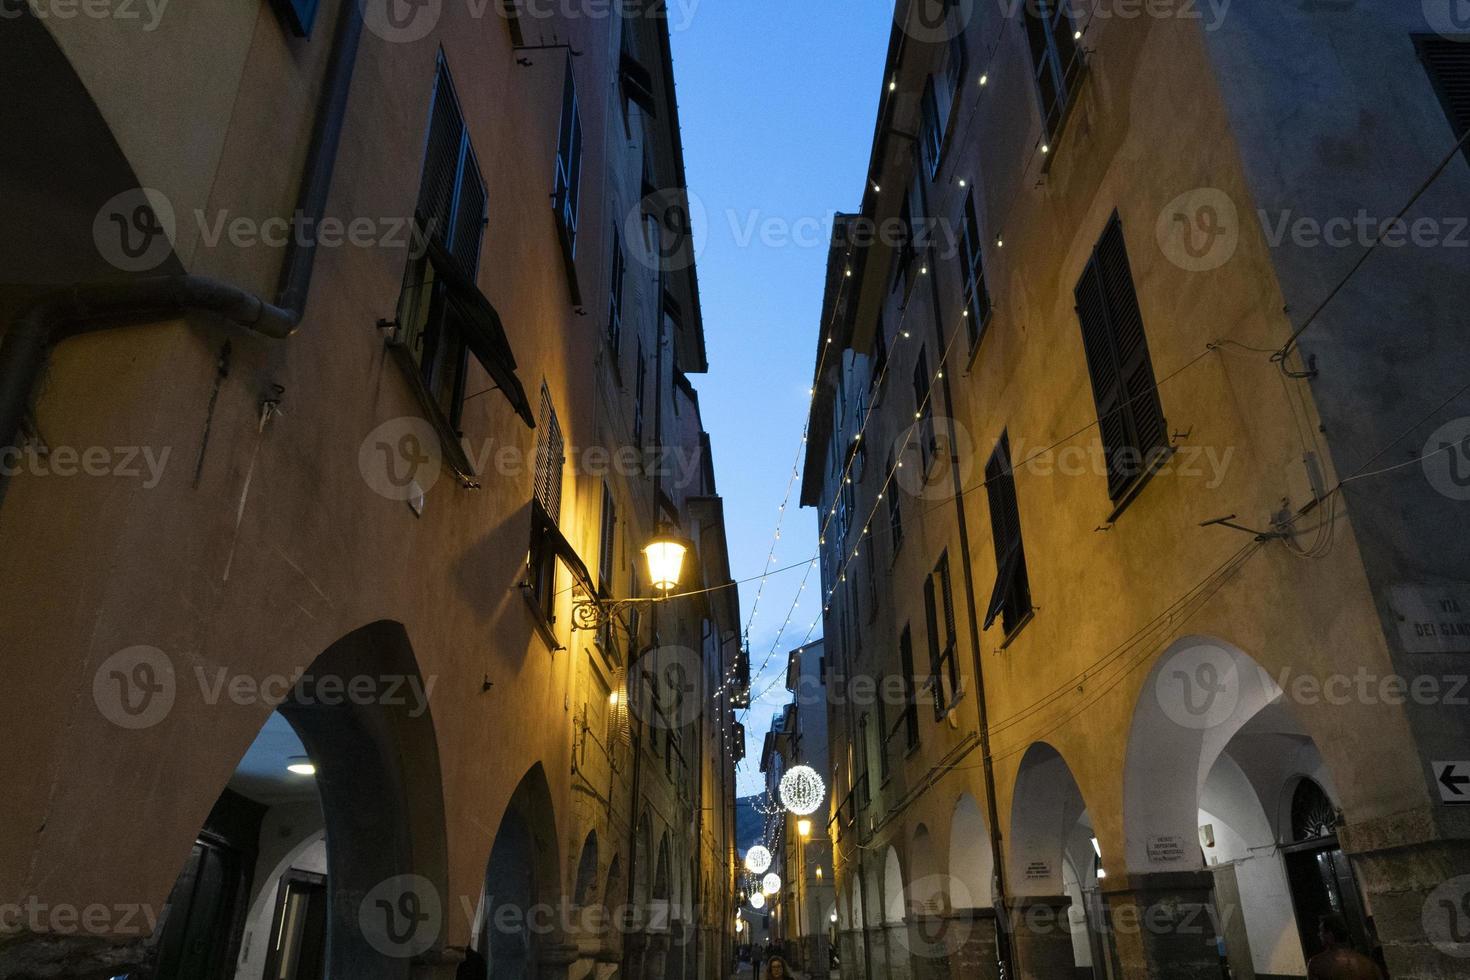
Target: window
x: 634, y: 77
x: 550, y: 456
x: 1448, y: 62
x: 932, y: 134
x: 607, y: 549
x: 944, y: 672
x: 924, y: 411
x: 977, y: 296
x: 635, y: 615
x: 1011, y: 598
x: 1054, y: 59
x: 638, y: 395
x: 1130, y: 418
x: 873, y: 750
x: 895, y: 511
x: 881, y: 706
x: 567, y: 192
x: 615, y: 296
x: 910, y: 689
x: 906, y: 251
x: 880, y: 355
x: 450, y: 214
x: 954, y: 69
x: 871, y: 568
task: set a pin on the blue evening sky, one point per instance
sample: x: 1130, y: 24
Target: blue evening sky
x: 777, y: 103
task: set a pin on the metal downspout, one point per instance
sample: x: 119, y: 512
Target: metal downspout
x: 98, y: 306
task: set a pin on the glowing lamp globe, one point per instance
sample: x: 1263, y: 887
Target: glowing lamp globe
x: 757, y: 901
x: 665, y: 556
x: 802, y: 790
x: 757, y: 860
x: 771, y: 884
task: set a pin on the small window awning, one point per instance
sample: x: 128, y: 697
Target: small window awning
x: 483, y: 332
x: 544, y: 527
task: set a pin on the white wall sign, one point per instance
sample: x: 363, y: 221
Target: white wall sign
x: 1165, y: 849
x: 1433, y: 619
x: 1453, y: 781
x: 1038, y: 871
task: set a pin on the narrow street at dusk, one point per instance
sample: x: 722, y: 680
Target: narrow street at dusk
x: 693, y: 490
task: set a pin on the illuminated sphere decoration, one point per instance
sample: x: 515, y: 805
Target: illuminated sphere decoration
x: 757, y: 901
x: 771, y: 883
x: 757, y: 860
x: 802, y: 790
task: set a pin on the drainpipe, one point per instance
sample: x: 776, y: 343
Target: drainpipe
x: 93, y: 307
x: 1002, y: 935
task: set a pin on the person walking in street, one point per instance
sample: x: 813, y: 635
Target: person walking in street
x: 776, y: 968
x: 1338, y: 960
x: 755, y: 961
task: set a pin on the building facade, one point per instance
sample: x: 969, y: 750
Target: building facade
x: 803, y: 852
x: 1127, y: 470
x: 347, y: 364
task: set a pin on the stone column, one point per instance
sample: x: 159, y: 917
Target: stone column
x: 930, y: 941
x: 554, y: 960
x: 877, y: 950
x: 1042, y: 937
x: 1164, y: 925
x: 850, y: 953
x: 656, y: 956
x: 973, y: 955
x: 1413, y: 869
x: 896, y: 951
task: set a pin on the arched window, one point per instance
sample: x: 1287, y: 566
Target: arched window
x: 1312, y: 814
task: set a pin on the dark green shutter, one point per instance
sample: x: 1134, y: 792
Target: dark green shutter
x: 441, y: 158
x: 1130, y: 416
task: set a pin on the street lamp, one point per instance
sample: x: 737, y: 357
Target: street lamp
x: 804, y: 828
x: 665, y: 554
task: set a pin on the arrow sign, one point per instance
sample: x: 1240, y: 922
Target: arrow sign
x: 1454, y: 782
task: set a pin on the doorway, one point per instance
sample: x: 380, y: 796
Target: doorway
x: 298, y: 949
x: 1320, y: 875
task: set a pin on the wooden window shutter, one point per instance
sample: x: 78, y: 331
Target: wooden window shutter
x: 469, y: 215
x: 637, y: 82
x: 947, y: 593
x: 1011, y: 596
x: 1130, y: 416
x: 910, y: 710
x: 931, y: 619
x: 1135, y: 368
x: 608, y: 551
x: 549, y: 455
x: 1448, y: 63
x: 569, y: 162
x: 441, y: 158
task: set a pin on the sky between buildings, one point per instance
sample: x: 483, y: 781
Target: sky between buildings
x: 777, y: 102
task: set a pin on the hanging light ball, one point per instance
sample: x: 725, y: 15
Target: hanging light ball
x: 757, y: 860
x: 757, y: 901
x: 771, y: 883
x: 802, y: 790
